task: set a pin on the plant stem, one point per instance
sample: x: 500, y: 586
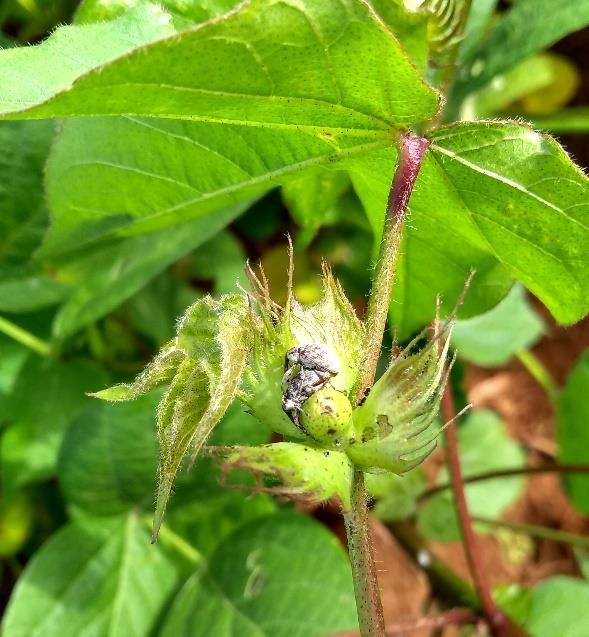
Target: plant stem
x: 507, y: 473
x: 446, y: 583
x: 24, y: 337
x: 368, y: 603
x: 540, y: 373
x: 411, y: 150
x: 534, y: 530
x: 498, y: 622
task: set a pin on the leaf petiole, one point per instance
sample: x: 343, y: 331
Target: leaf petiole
x: 24, y: 337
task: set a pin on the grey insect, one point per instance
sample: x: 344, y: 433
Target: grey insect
x: 307, y: 369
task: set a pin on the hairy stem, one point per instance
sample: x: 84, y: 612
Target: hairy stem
x: 411, y: 150
x: 25, y: 338
x: 508, y: 473
x: 500, y: 624
x: 411, y: 154
x: 370, y: 615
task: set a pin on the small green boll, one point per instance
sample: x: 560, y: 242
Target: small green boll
x: 327, y: 418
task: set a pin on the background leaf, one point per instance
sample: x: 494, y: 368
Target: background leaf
x: 493, y: 338
x: 47, y: 396
x: 572, y: 431
x: 107, y: 274
x: 108, y: 460
x: 282, y: 576
x: 101, y: 579
x: 528, y: 27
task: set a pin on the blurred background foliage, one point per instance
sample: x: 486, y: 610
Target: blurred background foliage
x: 77, y: 478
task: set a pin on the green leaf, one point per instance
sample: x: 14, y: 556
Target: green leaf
x: 555, y: 606
x: 438, y: 250
x: 479, y: 18
x: 32, y: 75
x: 284, y: 576
x: 528, y: 27
x: 493, y: 196
x: 16, y: 522
x: 528, y: 201
x: 203, y: 366
x: 105, y: 275
x: 572, y: 432
x: 102, y: 580
x: 568, y: 120
x: 23, y: 217
x: 30, y: 293
x: 410, y: 28
x: 220, y: 260
x: 24, y: 286
x: 315, y: 83
x: 493, y: 338
x: 13, y: 356
x: 108, y: 459
x: 267, y: 111
x: 484, y: 446
x: 48, y: 395
x: 185, y: 13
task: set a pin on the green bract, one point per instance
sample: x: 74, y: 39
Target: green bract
x: 236, y: 346
x: 331, y: 322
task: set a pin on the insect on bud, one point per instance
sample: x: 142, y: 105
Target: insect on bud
x: 327, y: 417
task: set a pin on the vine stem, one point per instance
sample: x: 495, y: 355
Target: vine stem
x: 25, y: 338
x: 508, y: 473
x: 411, y: 154
x: 500, y: 624
x: 542, y: 532
x: 411, y: 151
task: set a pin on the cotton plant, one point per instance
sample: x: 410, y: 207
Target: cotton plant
x: 297, y: 370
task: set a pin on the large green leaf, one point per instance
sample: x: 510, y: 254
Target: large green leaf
x: 266, y: 111
x: 573, y: 432
x: 47, y: 396
x: 484, y: 446
x: 284, y: 576
x: 102, y: 580
x: 528, y: 27
x: 496, y: 197
x: 328, y: 78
